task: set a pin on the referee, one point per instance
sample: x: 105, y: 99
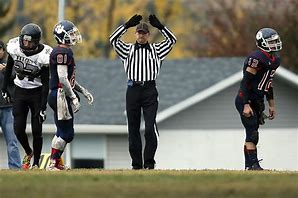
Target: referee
x: 142, y: 62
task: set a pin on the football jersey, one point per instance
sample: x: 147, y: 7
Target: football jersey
x: 266, y: 67
x: 28, y: 68
x: 61, y: 56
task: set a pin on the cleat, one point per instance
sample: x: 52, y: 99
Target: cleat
x: 137, y: 167
x: 60, y: 165
x: 35, y: 167
x: 57, y: 165
x: 52, y: 166
x: 26, y: 161
x: 256, y: 166
x: 149, y: 166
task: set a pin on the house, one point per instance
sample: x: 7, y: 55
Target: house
x: 198, y: 124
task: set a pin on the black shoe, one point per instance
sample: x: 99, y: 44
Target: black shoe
x: 149, y: 166
x: 255, y: 166
x: 136, y: 167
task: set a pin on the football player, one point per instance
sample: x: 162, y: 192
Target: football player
x: 30, y: 60
x: 62, y: 98
x: 258, y: 71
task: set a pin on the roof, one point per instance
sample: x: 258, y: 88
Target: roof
x: 178, y: 81
x: 181, y: 84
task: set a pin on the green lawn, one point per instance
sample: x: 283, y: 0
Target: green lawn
x: 148, y: 183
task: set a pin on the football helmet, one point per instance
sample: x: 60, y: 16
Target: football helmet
x: 268, y: 40
x: 30, y: 32
x: 65, y: 32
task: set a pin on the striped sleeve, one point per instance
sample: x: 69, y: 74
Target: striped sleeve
x: 164, y: 47
x: 121, y: 48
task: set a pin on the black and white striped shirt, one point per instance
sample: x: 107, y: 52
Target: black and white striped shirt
x: 142, y: 63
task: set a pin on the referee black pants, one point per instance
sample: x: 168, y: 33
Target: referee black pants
x: 142, y: 97
x: 25, y: 99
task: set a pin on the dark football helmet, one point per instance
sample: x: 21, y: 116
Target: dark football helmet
x: 30, y: 32
x: 268, y: 40
x: 65, y: 32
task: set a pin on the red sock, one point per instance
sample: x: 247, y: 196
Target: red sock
x: 56, y: 154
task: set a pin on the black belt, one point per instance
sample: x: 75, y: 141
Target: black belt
x: 140, y: 83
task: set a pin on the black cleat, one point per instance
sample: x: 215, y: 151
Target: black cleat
x: 137, y: 167
x: 149, y: 166
x: 255, y: 166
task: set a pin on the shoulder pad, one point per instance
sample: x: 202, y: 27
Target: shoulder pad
x: 13, y: 45
x: 44, y: 55
x: 254, y: 60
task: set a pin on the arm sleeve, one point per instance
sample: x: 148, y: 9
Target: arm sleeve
x: 247, y: 77
x: 8, y: 71
x: 121, y: 48
x: 79, y: 88
x: 62, y: 74
x: 164, y: 47
x: 45, y: 87
x: 269, y: 94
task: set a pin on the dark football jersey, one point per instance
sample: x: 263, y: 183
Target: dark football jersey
x: 266, y: 67
x: 61, y: 56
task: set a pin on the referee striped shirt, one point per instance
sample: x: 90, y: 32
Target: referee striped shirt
x: 142, y: 63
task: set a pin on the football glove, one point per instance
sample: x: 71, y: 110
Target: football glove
x: 155, y: 22
x: 262, y: 118
x: 133, y: 21
x: 42, y: 116
x: 75, y: 104
x: 88, y: 96
x: 6, y: 95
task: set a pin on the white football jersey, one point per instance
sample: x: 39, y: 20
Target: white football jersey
x: 28, y: 68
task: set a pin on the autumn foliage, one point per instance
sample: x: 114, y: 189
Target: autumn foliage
x: 203, y: 27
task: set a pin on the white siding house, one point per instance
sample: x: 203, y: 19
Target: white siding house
x: 198, y: 124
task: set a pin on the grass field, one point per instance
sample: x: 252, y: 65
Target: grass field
x: 144, y: 183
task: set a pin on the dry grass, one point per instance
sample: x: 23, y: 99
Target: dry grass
x: 142, y: 184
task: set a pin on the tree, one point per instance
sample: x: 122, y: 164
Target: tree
x: 8, y: 10
x: 203, y: 28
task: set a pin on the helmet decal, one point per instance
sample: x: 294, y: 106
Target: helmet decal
x: 259, y: 35
x: 59, y: 28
